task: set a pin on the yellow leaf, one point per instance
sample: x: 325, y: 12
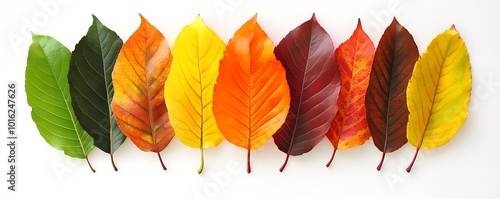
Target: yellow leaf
x: 190, y: 85
x: 439, y: 92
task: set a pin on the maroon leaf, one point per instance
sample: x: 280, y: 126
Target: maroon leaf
x: 307, y: 53
x: 386, y: 109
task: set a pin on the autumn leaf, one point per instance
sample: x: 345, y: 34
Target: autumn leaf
x: 47, y: 92
x: 251, y: 96
x: 355, y: 57
x: 439, y: 92
x: 190, y: 86
x: 91, y: 87
x: 386, y: 110
x: 307, y: 53
x: 138, y: 79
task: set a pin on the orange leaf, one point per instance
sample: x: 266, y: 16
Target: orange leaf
x: 251, y: 97
x: 355, y: 58
x: 138, y: 79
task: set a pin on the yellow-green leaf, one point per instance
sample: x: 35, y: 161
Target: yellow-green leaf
x: 190, y: 85
x: 439, y: 92
x: 47, y: 92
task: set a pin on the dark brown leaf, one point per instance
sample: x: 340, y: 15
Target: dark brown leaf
x: 386, y: 109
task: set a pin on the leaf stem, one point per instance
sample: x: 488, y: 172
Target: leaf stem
x: 248, y: 161
x: 161, y: 161
x: 408, y: 169
x: 331, y: 159
x: 381, y: 161
x: 88, y: 162
x: 202, y: 162
x: 286, y: 161
x: 113, y: 162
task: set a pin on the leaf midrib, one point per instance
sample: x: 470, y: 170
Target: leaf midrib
x: 64, y: 97
x: 249, y: 141
x: 444, y: 56
x: 292, y: 139
x: 349, y: 102
x: 389, y: 100
x: 107, y: 83
x: 148, y: 91
x: 198, y: 57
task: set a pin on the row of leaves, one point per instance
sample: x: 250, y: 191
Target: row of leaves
x: 248, y: 91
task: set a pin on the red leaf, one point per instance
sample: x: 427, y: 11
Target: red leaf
x: 386, y: 110
x: 355, y: 58
x: 307, y: 53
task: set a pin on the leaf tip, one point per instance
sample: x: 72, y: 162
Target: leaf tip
x: 145, y: 23
x: 313, y: 18
x: 95, y: 21
x: 359, y: 24
x: 142, y: 18
x: 198, y: 21
x: 253, y: 20
x: 453, y: 27
x: 394, y: 20
x: 33, y: 35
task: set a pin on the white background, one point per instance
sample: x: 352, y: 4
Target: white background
x: 467, y: 167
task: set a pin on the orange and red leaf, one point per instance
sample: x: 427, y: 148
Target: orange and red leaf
x: 138, y: 79
x: 355, y: 57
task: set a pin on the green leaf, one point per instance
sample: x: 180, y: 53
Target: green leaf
x: 47, y: 90
x: 91, y: 86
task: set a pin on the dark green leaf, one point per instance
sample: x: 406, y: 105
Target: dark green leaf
x: 91, y: 86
